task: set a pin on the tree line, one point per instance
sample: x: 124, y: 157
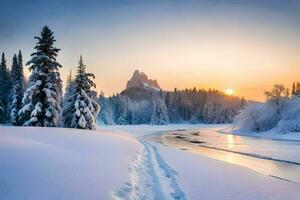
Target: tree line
x: 39, y: 101
x: 163, y: 107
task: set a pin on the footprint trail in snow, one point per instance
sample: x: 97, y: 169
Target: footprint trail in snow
x: 151, y: 178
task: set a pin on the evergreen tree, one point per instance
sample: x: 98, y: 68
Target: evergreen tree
x: 125, y: 115
x: 167, y: 99
x: 69, y: 86
x: 66, y: 117
x: 42, y: 98
x: 17, y: 91
x: 293, y: 89
x: 297, y: 89
x: 14, y: 68
x: 2, y: 89
x: 159, y: 114
x: 5, y: 86
x: 81, y: 107
x: 69, y: 83
x: 20, y: 62
x: 106, y: 114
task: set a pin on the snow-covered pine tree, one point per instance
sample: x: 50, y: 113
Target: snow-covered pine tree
x: 81, y: 108
x: 42, y: 98
x: 69, y: 83
x: 159, y: 114
x: 20, y: 61
x: 69, y: 87
x: 2, y: 94
x: 14, y: 67
x: 17, y: 90
x: 5, y: 86
x: 66, y: 115
x: 173, y: 106
x: 212, y: 112
x: 106, y: 114
x: 125, y: 115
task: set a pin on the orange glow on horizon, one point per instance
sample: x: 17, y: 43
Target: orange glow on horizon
x: 229, y: 91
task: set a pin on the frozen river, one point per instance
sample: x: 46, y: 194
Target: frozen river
x: 279, y: 159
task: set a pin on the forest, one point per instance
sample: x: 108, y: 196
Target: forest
x: 144, y: 106
x: 40, y: 101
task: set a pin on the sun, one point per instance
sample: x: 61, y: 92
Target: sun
x: 229, y: 91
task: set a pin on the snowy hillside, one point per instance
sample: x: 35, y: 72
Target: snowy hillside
x: 56, y: 163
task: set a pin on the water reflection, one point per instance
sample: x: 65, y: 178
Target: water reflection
x: 239, y: 150
x: 230, y: 141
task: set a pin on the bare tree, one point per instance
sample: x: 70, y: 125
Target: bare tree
x: 277, y: 96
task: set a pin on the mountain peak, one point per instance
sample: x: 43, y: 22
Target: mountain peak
x: 141, y: 80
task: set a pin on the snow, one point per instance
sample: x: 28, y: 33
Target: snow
x: 145, y: 129
x: 274, y: 134
x: 151, y: 178
x: 120, y: 162
x: 194, y: 176
x: 278, y: 112
x: 80, y: 107
x: 140, y: 79
x: 205, y: 178
x: 57, y: 163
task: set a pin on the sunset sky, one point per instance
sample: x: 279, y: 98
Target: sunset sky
x: 246, y: 45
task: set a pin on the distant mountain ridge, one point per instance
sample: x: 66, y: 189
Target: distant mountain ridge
x: 141, y: 80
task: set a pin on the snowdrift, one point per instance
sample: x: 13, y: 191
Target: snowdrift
x: 57, y: 163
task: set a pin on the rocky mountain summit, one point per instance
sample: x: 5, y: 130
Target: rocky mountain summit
x: 141, y: 80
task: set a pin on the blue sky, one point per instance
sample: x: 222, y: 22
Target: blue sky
x: 203, y: 43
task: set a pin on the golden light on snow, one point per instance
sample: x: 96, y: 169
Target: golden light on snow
x: 230, y: 141
x: 229, y: 91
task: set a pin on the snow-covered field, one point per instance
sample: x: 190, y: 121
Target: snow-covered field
x: 56, y: 163
x: 118, y: 162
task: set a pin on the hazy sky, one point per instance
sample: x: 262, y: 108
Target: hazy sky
x: 247, y: 45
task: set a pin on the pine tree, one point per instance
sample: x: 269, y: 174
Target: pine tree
x: 2, y: 89
x: 17, y: 91
x: 159, y: 114
x: 20, y: 61
x: 81, y: 108
x: 69, y: 83
x: 66, y: 117
x: 14, y: 68
x: 297, y: 89
x: 293, y: 89
x: 42, y: 98
x: 106, y: 114
x: 125, y: 116
x: 5, y: 86
x: 69, y: 86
